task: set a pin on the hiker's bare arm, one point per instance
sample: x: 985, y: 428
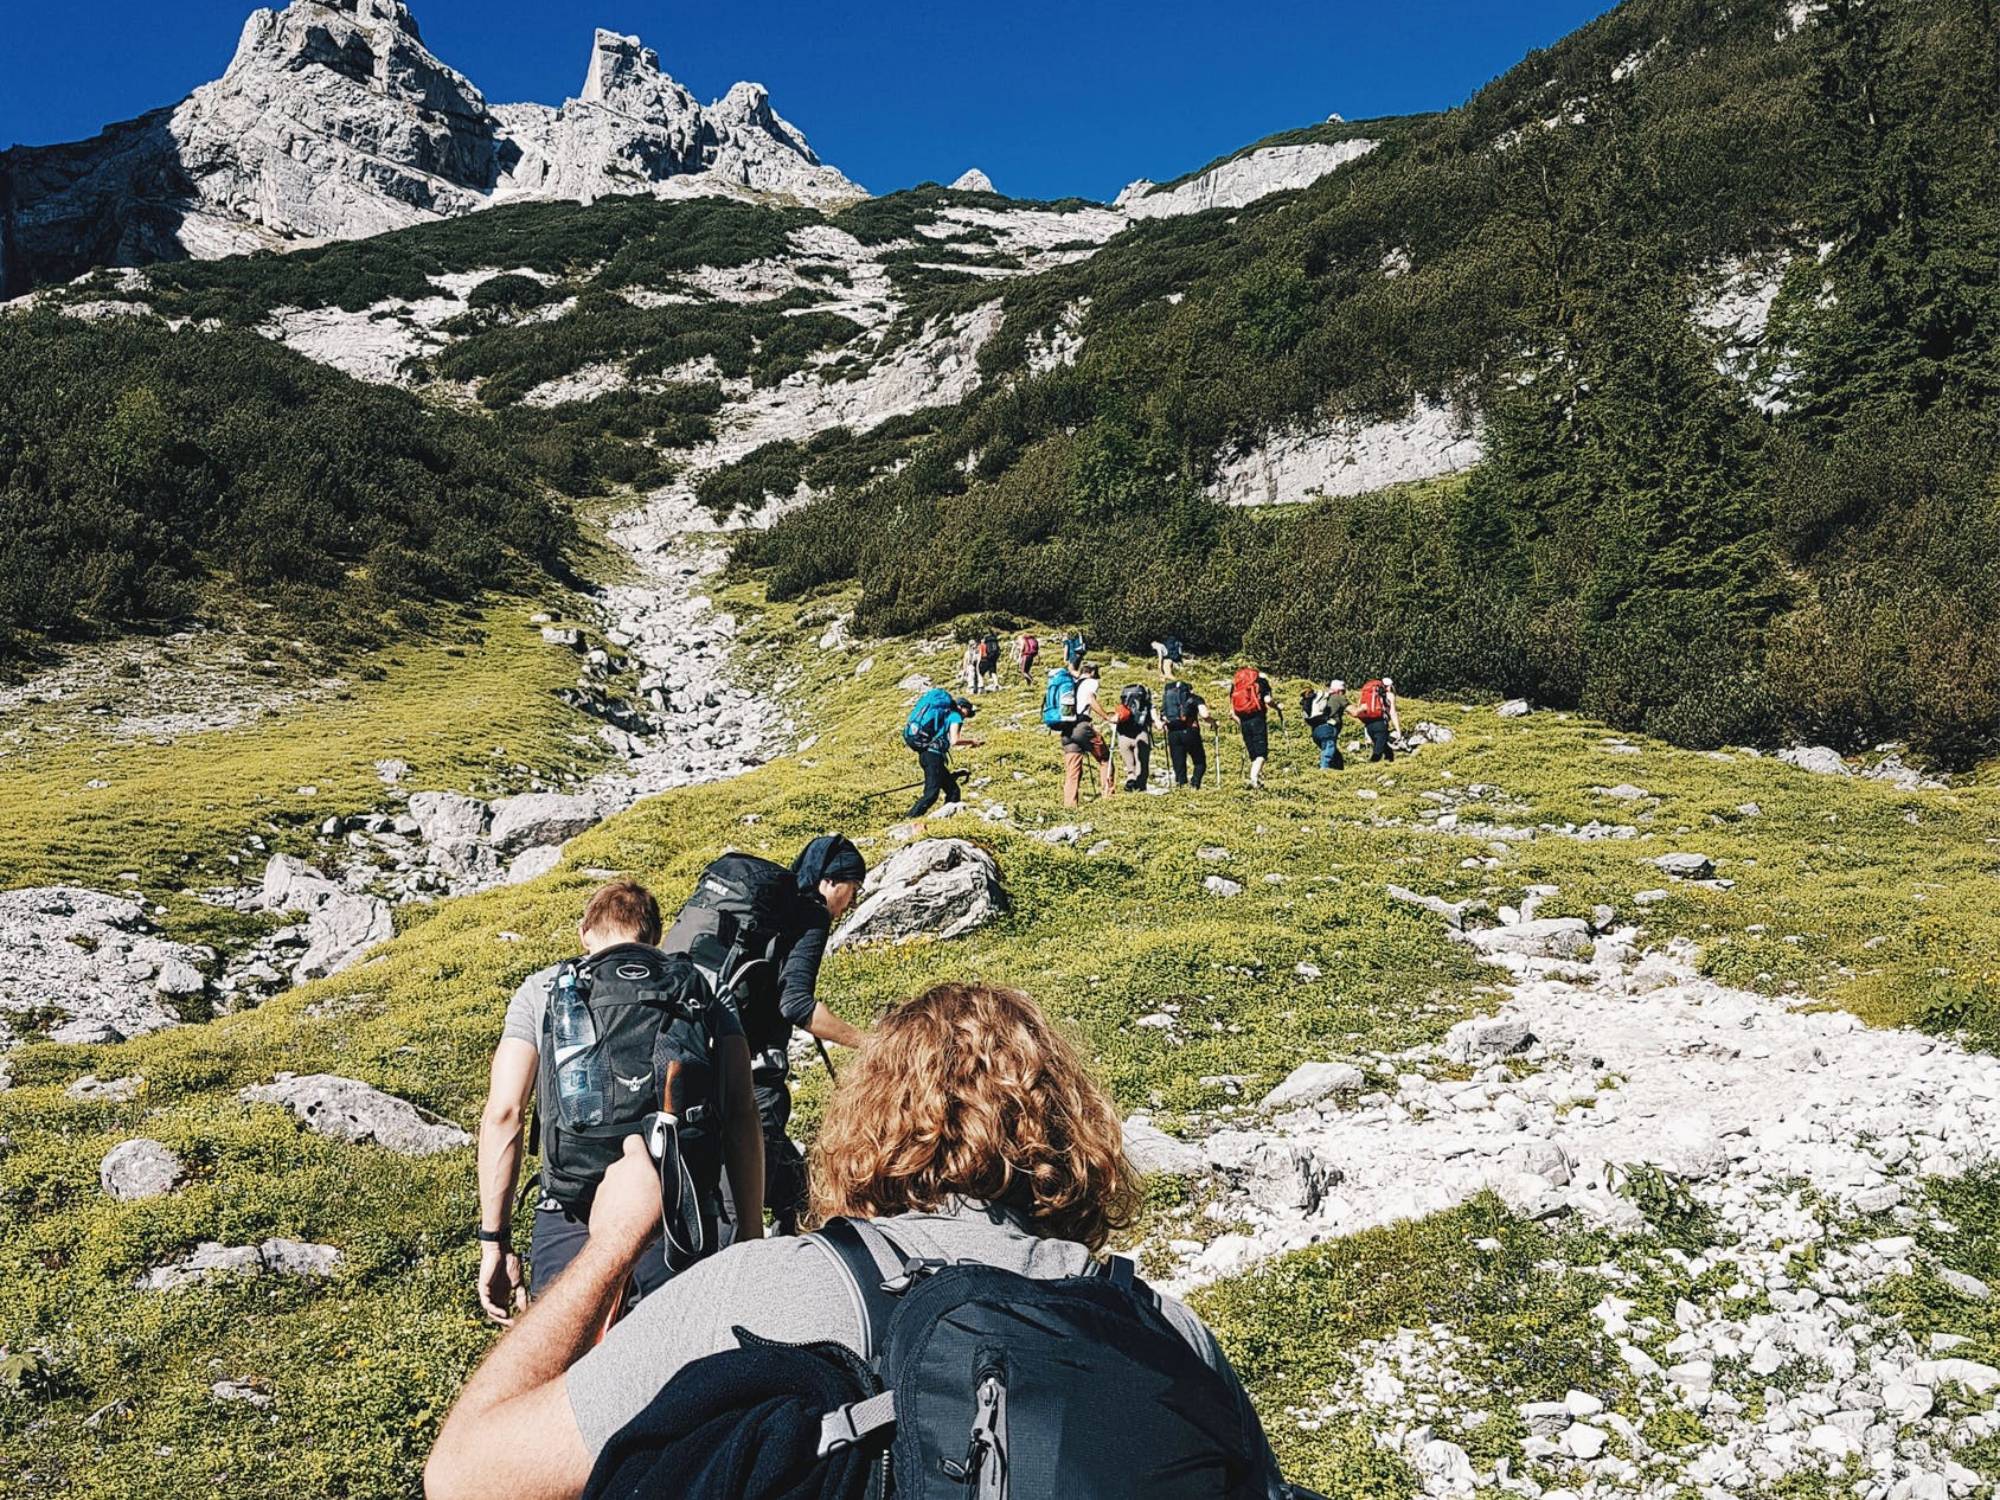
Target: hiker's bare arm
x: 509, y: 1084
x: 830, y: 1028
x: 512, y: 1431
x: 962, y: 741
x: 744, y: 1153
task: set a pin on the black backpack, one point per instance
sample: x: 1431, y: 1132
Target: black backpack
x: 627, y: 1032
x: 1177, y: 705
x: 1172, y: 646
x: 732, y: 928
x: 989, y: 651
x: 979, y: 1384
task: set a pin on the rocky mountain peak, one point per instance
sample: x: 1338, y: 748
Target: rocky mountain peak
x: 625, y: 76
x: 972, y: 180
x: 335, y: 121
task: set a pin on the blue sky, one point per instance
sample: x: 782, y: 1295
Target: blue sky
x: 1051, y: 97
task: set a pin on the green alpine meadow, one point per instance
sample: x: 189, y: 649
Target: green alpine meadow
x: 1454, y: 658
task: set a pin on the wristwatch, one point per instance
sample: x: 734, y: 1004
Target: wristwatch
x: 491, y: 1236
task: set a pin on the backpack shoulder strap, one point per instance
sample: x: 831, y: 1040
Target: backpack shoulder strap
x: 852, y: 1247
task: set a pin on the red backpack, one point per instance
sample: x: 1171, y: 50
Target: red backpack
x: 1373, y: 704
x: 1245, y: 694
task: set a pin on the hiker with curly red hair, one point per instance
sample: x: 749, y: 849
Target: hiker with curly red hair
x: 967, y: 1148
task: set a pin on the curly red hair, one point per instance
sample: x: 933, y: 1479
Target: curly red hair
x: 969, y: 1091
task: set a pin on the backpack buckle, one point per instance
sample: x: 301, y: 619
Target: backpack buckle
x: 914, y: 1270
x: 845, y: 1426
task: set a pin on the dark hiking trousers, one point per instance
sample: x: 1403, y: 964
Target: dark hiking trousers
x: 937, y: 779
x: 1189, y: 756
x: 784, y: 1164
x: 558, y: 1235
x: 1378, y: 736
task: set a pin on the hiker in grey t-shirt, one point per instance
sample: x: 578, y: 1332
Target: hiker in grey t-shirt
x: 1027, y: 1185
x: 621, y: 912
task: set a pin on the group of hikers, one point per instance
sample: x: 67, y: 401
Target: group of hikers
x: 948, y: 1325
x: 1090, y: 730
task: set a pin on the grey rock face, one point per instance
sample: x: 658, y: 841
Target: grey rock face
x: 1311, y: 1082
x: 1686, y: 866
x: 112, y: 1090
x: 341, y: 931
x: 1818, y: 759
x: 532, y: 864
x: 540, y: 818
x: 1546, y: 937
x: 93, y: 956
x: 939, y: 888
x: 335, y: 121
x: 274, y: 1257
x: 139, y: 1169
x: 449, y: 817
x: 351, y: 1110
x: 1485, y: 1037
x: 1151, y: 1149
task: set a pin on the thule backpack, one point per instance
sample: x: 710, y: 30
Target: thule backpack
x: 1059, y: 700
x: 926, y: 727
x: 626, y: 1032
x: 1135, y: 710
x: 1177, y: 706
x: 1246, y: 694
x: 733, y: 927
x: 1373, y: 704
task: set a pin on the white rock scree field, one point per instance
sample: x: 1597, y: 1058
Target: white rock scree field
x: 239, y: 1094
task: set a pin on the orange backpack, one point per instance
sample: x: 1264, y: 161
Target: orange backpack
x: 1373, y: 703
x: 1244, y: 694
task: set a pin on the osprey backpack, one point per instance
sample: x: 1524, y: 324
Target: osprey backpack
x: 1135, y: 710
x: 1245, y: 692
x: 1373, y: 704
x: 1177, y: 706
x: 926, y: 727
x: 1059, y: 700
x: 626, y: 1032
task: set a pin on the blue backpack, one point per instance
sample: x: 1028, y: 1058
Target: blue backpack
x: 1059, y: 702
x: 926, y: 728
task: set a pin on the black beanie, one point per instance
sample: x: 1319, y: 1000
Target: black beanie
x: 830, y: 857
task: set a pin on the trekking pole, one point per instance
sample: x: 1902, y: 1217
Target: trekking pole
x: 825, y: 1057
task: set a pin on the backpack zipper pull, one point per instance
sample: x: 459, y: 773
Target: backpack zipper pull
x: 986, y: 1447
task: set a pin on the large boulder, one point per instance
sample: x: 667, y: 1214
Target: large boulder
x: 540, y: 818
x: 1820, y: 760
x: 449, y: 817
x: 139, y: 1169
x: 1686, y: 866
x: 1152, y: 1150
x: 940, y: 888
x: 1311, y: 1082
x: 1276, y: 1173
x: 1484, y: 1038
x: 343, y: 929
x: 290, y: 884
x: 351, y: 1110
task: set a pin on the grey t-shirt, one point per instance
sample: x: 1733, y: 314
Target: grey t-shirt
x: 530, y: 1000
x: 790, y: 1290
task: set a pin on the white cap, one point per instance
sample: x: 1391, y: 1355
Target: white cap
x: 1336, y: 686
